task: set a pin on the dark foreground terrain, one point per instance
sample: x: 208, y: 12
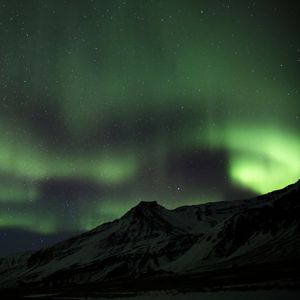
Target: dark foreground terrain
x: 250, y: 278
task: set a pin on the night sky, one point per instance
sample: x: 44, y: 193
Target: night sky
x: 107, y: 103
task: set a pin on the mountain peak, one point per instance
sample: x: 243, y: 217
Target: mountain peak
x: 144, y: 208
x: 148, y: 204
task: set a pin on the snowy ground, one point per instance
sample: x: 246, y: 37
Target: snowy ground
x: 257, y: 295
x: 171, y: 295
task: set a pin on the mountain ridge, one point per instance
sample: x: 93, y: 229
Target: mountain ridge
x: 150, y: 240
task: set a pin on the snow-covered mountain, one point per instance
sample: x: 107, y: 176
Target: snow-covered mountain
x: 150, y: 241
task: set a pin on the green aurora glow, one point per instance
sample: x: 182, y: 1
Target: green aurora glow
x: 108, y: 94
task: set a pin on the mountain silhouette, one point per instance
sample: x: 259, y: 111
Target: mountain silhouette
x: 250, y: 242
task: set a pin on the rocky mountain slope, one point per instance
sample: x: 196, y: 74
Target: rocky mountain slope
x: 150, y: 241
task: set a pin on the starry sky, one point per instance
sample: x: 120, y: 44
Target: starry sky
x: 107, y: 103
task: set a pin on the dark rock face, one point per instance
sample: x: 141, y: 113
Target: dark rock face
x: 150, y: 240
x: 278, y: 214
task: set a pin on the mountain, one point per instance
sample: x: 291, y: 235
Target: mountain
x: 246, y: 242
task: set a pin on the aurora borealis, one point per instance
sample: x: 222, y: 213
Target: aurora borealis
x: 107, y: 103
